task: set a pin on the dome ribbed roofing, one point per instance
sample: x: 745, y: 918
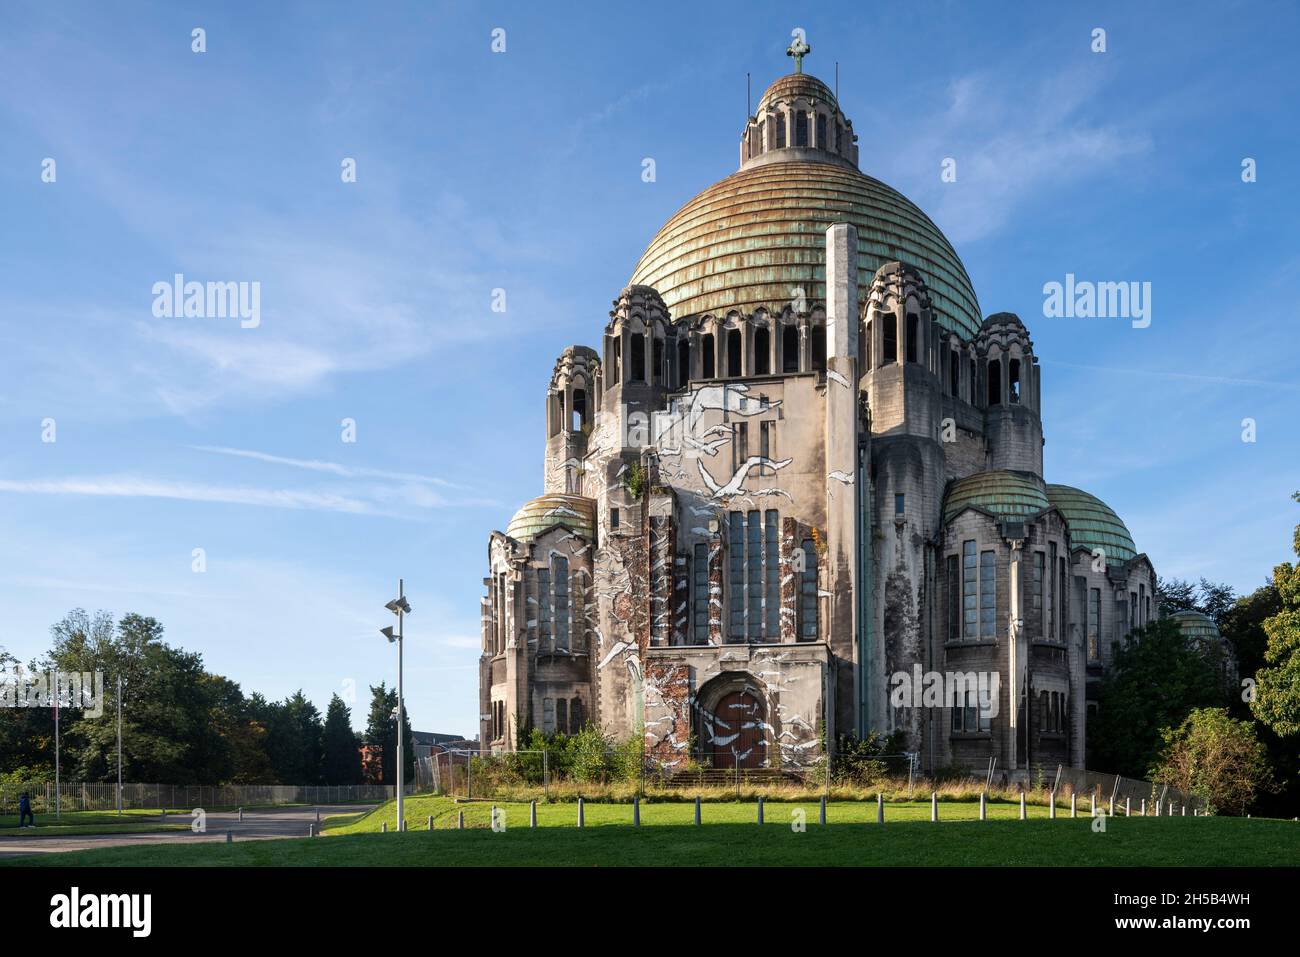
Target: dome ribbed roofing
x: 753, y: 238
x: 575, y: 512
x: 1008, y: 495
x: 796, y: 84
x: 1195, y: 625
x: 1093, y: 523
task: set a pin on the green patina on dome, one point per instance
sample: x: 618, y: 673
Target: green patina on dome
x: 1195, y: 625
x: 574, y: 512
x: 1006, y: 494
x: 753, y: 238
x: 1093, y: 523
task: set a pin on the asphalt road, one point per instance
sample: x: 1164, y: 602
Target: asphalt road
x: 259, y: 824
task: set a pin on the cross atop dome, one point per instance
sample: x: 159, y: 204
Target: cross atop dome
x: 799, y: 49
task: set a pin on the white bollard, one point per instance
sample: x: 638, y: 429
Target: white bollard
x: 880, y: 807
x: 1023, y: 816
x: 1051, y: 806
x: 984, y: 811
x: 1074, y: 805
x: 934, y: 806
x: 532, y: 813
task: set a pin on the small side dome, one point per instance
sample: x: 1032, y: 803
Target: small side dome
x: 575, y: 512
x: 1196, y: 626
x: 1009, y: 495
x: 1093, y: 523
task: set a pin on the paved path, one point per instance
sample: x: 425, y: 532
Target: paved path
x: 258, y: 824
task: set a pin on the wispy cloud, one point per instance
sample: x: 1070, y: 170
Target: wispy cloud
x: 123, y: 486
x: 333, y: 468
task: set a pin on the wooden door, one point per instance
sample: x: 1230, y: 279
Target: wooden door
x: 738, y: 732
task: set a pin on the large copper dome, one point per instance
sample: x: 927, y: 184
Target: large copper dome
x: 756, y: 236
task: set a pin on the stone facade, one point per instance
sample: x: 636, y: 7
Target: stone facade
x: 758, y: 521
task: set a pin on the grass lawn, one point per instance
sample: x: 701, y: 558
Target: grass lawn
x: 730, y: 836
x: 91, y: 822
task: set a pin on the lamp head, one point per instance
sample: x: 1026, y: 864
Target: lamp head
x: 387, y: 632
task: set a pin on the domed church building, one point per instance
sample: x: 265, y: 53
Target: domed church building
x: 795, y: 491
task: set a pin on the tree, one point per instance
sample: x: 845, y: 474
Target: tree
x: 1156, y: 681
x: 1175, y: 594
x: 342, y: 764
x: 1243, y: 626
x: 1215, y: 757
x: 1277, y: 692
x: 381, y: 738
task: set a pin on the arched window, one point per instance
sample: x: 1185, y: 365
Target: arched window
x: 801, y: 128
x: 779, y: 120
x: 821, y: 131
x: 790, y: 348
x: 707, y: 349
x: 762, y: 351
x: 913, y: 336
x: 638, y: 358
x: 733, y: 352
x: 889, y: 338
x: 560, y: 569
x: 683, y: 361
x: 818, y: 335
x: 995, y: 381
x: 577, y: 717
x: 1014, y: 383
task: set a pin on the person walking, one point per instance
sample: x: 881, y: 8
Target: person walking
x: 25, y: 811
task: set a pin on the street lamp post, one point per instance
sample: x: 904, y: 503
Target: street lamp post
x: 399, y: 607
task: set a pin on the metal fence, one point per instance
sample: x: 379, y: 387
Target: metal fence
x: 103, y: 796
x: 1104, y: 788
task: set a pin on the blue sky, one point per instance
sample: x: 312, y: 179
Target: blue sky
x: 522, y: 171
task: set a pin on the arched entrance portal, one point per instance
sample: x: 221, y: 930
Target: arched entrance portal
x: 735, y: 732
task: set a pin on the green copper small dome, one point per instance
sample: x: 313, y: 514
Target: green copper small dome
x: 575, y: 512
x: 1008, y: 495
x: 1093, y: 524
x: 1196, y: 626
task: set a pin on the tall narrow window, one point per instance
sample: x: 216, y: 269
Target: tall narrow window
x: 988, y: 595
x: 839, y: 139
x: 818, y: 335
x: 579, y: 409
x: 954, y: 597
x: 1132, y: 610
x: 618, y: 357
x: 973, y: 381
x: 706, y: 355
x: 1142, y: 600
x: 1036, y: 591
x: 638, y: 358
x: 548, y: 715
x: 790, y: 348
x: 954, y: 373
x: 762, y: 138
x: 995, y: 381
x: 754, y: 573
x: 733, y: 352
x: 780, y: 131
x: 577, y: 717
x: 544, y: 634
x: 801, y: 128
x: 562, y: 715
x: 772, y: 561
x: 969, y: 591
x: 700, y: 595
x: 889, y: 338
x: 1094, y: 624
x: 821, y: 131
x: 900, y: 505
x: 866, y: 350
x: 658, y: 360
x: 561, y: 571
x: 762, y: 351
x: 808, y: 593
x: 1054, y: 593
x: 736, y: 576
x: 1013, y: 383
x: 913, y: 337
x: 683, y: 362
x: 740, y: 447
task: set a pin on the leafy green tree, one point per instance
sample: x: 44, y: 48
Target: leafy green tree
x: 1215, y: 757
x: 381, y: 737
x: 342, y: 764
x: 1277, y: 693
x: 1157, y: 679
x: 1243, y: 626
